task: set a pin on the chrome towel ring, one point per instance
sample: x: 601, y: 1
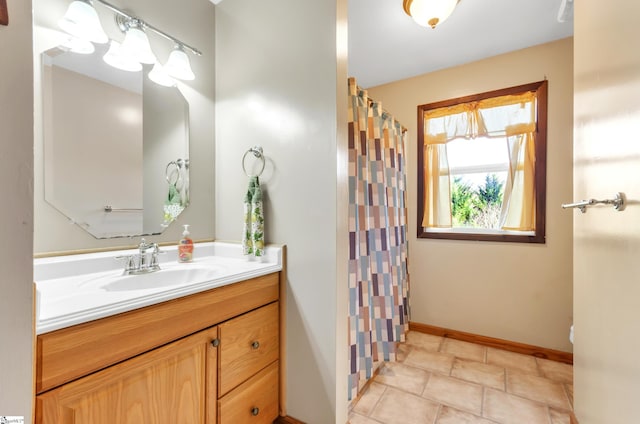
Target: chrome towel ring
x: 257, y: 152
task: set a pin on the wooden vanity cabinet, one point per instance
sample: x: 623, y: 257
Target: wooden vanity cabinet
x: 226, y: 372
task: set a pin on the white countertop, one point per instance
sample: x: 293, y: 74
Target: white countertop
x: 72, y: 290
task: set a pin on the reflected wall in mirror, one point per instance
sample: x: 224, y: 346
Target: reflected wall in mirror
x: 116, y: 145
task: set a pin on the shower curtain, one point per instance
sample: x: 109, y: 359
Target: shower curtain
x: 378, y: 277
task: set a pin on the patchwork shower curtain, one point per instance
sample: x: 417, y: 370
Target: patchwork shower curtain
x: 378, y: 277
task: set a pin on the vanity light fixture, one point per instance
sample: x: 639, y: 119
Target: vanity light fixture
x: 117, y: 59
x: 160, y: 76
x: 429, y: 12
x: 136, y: 43
x: 178, y: 65
x: 78, y: 45
x: 81, y: 20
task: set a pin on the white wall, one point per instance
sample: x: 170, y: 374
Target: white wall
x: 16, y: 171
x: 191, y: 21
x: 276, y: 85
x: 513, y: 291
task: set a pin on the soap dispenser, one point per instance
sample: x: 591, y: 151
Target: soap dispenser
x: 185, y: 246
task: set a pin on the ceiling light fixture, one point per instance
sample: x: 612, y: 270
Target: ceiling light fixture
x: 429, y: 13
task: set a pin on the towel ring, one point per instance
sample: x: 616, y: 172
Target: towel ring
x: 257, y: 152
x: 168, y: 175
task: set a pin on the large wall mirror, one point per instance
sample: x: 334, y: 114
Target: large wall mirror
x: 116, y: 145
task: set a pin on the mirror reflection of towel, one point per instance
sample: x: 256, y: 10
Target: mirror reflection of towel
x: 253, y: 234
x: 173, y: 205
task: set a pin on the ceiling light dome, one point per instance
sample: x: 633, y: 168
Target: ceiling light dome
x: 429, y: 13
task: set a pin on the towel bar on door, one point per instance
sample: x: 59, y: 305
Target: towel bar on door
x: 257, y: 152
x: 617, y: 202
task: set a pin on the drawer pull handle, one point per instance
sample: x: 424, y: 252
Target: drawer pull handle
x: 255, y: 411
x: 215, y: 342
x: 255, y: 345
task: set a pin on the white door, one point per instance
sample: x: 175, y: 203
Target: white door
x: 607, y: 242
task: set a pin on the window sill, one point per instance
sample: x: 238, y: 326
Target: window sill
x: 476, y: 234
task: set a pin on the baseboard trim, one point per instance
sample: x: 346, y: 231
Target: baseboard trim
x: 287, y: 420
x: 538, y: 352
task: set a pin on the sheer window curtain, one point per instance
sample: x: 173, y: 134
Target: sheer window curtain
x: 512, y: 117
x: 378, y: 276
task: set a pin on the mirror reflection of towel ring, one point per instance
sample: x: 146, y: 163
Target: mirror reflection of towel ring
x: 257, y: 152
x: 168, y: 175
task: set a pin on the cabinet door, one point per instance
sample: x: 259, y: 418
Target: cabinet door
x: 175, y: 383
x: 248, y: 343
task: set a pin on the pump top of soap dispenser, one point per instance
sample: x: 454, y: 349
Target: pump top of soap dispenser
x: 186, y: 230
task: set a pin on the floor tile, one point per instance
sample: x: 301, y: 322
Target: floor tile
x: 509, y: 409
x: 556, y: 371
x: 454, y: 392
x: 485, y: 374
x: 503, y: 358
x: 425, y: 341
x: 369, y: 399
x: 432, y: 361
x: 450, y: 415
x: 559, y: 417
x: 398, y: 407
x: 402, y: 351
x: 569, y: 389
x: 538, y: 388
x: 464, y: 350
x: 403, y: 377
x: 360, y: 419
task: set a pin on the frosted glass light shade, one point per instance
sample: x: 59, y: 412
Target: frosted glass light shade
x: 115, y: 58
x: 136, y: 45
x: 160, y: 76
x: 178, y: 65
x: 429, y: 13
x: 81, y: 20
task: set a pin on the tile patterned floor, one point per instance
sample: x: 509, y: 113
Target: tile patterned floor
x: 444, y: 381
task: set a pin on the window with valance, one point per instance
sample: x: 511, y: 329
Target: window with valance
x: 482, y: 166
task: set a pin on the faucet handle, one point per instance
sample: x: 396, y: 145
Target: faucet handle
x: 130, y: 263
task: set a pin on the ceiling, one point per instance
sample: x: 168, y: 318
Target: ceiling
x: 386, y: 45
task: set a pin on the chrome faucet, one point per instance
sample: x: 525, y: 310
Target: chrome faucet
x: 142, y: 262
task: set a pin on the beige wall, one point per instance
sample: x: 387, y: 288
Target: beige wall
x: 511, y: 291
x: 277, y: 78
x: 16, y: 171
x: 192, y: 21
x: 606, y: 242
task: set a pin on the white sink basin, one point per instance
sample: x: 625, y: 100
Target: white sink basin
x: 172, y: 277
x: 79, y: 288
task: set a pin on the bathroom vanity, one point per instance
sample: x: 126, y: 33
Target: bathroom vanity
x: 206, y: 356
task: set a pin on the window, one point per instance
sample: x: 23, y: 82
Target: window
x: 482, y: 166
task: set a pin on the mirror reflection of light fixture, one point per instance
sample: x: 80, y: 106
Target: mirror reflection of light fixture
x: 178, y: 65
x: 160, y: 76
x: 136, y: 43
x: 117, y: 59
x: 81, y: 20
x: 78, y: 45
x: 429, y: 12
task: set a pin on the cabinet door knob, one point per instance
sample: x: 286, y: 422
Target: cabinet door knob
x: 215, y: 342
x: 255, y: 345
x: 255, y: 411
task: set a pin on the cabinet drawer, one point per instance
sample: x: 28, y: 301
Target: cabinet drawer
x: 248, y: 343
x: 253, y: 402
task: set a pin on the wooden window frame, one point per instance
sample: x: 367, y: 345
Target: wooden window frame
x: 539, y: 236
